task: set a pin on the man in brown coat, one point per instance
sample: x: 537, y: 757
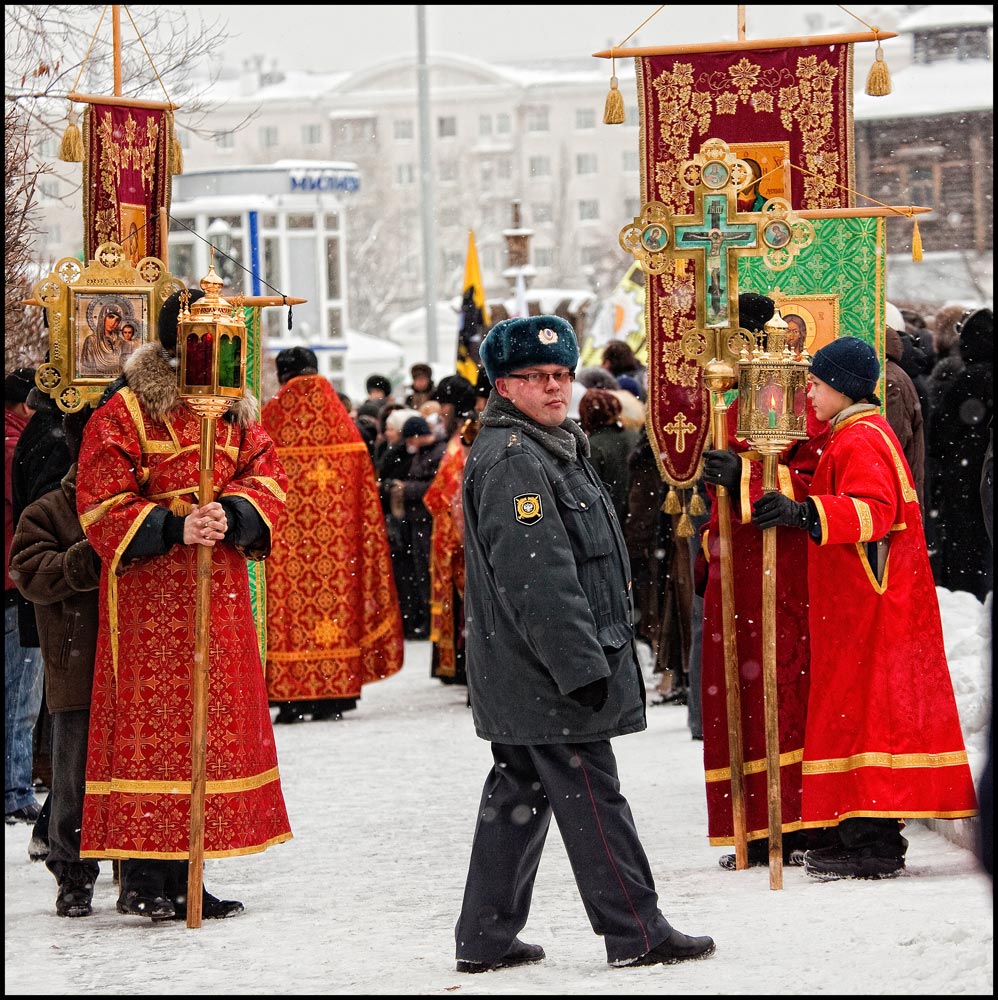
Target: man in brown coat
x: 902, y: 405
x: 55, y: 567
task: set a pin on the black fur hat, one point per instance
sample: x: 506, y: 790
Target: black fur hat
x: 535, y: 340
x: 169, y: 317
x: 755, y: 311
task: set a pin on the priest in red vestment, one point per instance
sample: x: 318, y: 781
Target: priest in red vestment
x: 740, y: 471
x: 137, y: 498
x: 333, y: 618
x: 883, y: 742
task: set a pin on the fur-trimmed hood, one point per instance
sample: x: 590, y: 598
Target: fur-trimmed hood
x: 152, y: 375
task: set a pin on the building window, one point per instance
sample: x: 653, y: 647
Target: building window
x: 504, y: 168
x: 405, y: 174
x: 631, y: 117
x: 446, y: 127
x: 486, y: 172
x: 334, y: 315
x: 268, y: 221
x: 485, y: 124
x: 48, y: 188
x: 301, y: 220
x: 225, y: 140
x: 268, y: 136
x: 403, y: 129
x: 333, y: 289
x: 504, y: 123
x: 585, y: 118
x: 586, y: 163
x: 181, y: 134
x: 540, y: 166
x: 447, y: 171
x: 542, y: 212
x: 632, y: 207
x: 588, y: 209
x: 448, y: 216
x: 630, y: 163
x: 543, y: 257
x: 590, y: 255
x: 272, y: 261
x: 311, y: 135
x: 538, y: 120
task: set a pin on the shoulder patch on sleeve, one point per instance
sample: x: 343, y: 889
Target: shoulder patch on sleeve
x: 528, y: 508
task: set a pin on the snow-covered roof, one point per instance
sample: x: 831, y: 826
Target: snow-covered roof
x: 938, y: 16
x: 923, y: 91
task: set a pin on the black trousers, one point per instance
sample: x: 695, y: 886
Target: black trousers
x: 578, y: 784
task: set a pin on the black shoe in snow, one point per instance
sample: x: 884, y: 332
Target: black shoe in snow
x: 519, y: 953
x: 832, y: 863
x: 677, y: 947
x: 212, y: 908
x: 76, y: 893
x: 137, y: 904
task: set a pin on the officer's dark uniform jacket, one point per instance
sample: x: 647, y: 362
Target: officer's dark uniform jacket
x: 548, y: 593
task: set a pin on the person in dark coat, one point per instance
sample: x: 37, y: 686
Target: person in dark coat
x: 56, y: 569
x: 904, y: 411
x: 610, y: 444
x: 958, y: 440
x: 552, y: 670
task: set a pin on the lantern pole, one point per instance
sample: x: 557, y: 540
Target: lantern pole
x: 719, y: 377
x: 772, y: 389
x: 211, y: 345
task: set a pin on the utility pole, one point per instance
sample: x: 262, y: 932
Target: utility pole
x: 426, y: 188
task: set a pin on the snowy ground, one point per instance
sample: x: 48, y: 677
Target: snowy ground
x: 364, y: 899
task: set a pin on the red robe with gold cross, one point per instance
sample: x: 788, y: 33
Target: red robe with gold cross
x: 333, y: 618
x: 883, y: 732
x: 795, y: 468
x: 141, y: 451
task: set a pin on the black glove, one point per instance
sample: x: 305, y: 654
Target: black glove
x: 774, y: 510
x: 722, y: 468
x: 592, y: 695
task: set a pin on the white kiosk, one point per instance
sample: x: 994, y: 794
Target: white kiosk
x: 280, y: 230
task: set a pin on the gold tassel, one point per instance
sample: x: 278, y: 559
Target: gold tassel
x: 613, y: 113
x: 916, y: 243
x: 697, y: 506
x: 878, y: 83
x: 176, y: 157
x: 671, y: 505
x: 685, y: 527
x: 71, y: 149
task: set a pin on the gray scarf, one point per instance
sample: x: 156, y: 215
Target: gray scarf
x: 566, y: 441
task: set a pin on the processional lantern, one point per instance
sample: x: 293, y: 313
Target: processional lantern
x: 211, y: 343
x: 772, y: 414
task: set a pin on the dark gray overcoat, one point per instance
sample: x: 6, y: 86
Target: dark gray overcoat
x: 548, y: 604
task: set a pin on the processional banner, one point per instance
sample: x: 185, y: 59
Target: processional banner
x: 775, y: 107
x: 126, y: 178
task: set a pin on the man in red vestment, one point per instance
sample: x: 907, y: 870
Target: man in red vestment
x: 883, y: 742
x: 137, y: 498
x: 333, y: 618
x: 740, y: 471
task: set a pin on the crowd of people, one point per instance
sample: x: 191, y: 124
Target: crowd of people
x: 403, y: 516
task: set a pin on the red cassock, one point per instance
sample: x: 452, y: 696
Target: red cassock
x: 443, y: 500
x: 333, y: 618
x: 883, y: 732
x: 137, y: 802
x: 796, y: 466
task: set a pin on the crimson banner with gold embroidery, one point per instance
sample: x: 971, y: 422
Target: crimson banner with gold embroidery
x: 126, y: 178
x: 774, y: 107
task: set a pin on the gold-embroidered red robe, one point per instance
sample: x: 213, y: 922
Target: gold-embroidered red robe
x: 883, y: 732
x: 137, y: 802
x: 443, y: 500
x: 794, y: 471
x: 333, y: 618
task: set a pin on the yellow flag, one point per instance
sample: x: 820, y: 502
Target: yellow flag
x: 474, y: 322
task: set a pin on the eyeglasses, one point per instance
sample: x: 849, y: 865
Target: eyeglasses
x: 541, y: 378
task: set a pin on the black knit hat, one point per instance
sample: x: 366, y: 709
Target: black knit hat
x: 169, y: 317
x: 293, y: 361
x: 18, y: 384
x: 415, y: 427
x: 849, y: 365
x: 535, y: 340
x: 378, y: 383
